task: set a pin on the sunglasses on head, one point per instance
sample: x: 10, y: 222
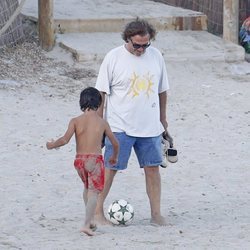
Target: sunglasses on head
x: 138, y: 46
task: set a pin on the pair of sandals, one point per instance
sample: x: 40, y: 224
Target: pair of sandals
x: 169, y: 153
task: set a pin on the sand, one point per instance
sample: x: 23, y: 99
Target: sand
x: 205, y: 195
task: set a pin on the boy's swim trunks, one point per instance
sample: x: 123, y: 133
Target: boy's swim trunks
x: 90, y: 168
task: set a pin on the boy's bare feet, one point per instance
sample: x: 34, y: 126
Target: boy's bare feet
x: 93, y: 227
x: 87, y: 231
x: 101, y: 220
x: 158, y: 221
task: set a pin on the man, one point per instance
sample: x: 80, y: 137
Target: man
x: 133, y: 79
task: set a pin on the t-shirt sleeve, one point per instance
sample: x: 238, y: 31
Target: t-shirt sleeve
x: 163, y: 84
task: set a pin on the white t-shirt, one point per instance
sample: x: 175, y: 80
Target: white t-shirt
x: 132, y: 84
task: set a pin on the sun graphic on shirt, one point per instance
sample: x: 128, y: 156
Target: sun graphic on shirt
x: 141, y: 85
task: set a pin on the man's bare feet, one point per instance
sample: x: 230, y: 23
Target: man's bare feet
x: 101, y: 220
x: 87, y: 231
x: 158, y: 221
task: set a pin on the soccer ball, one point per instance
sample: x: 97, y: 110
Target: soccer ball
x: 120, y: 212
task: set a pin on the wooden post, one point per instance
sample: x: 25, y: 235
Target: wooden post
x: 231, y: 20
x: 46, y: 24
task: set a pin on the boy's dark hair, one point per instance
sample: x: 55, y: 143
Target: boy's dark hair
x: 90, y: 98
x: 138, y: 27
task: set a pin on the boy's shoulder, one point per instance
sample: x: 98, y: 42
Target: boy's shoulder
x: 77, y: 119
x: 84, y: 117
x: 81, y: 116
x: 102, y: 120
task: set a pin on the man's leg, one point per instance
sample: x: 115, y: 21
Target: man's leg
x: 99, y: 213
x: 153, y: 187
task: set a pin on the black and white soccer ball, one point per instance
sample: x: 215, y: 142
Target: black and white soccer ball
x: 120, y: 212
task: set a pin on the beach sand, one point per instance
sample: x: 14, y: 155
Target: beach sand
x: 205, y: 195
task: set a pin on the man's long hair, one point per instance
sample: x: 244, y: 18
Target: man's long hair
x: 138, y: 27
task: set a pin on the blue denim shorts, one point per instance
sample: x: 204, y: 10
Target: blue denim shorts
x: 147, y: 150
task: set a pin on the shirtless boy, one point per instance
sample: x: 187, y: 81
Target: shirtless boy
x: 89, y: 128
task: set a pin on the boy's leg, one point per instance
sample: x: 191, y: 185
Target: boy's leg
x: 153, y: 187
x: 99, y: 212
x: 85, y: 196
x: 82, y: 175
x: 85, y: 199
x: 90, y: 211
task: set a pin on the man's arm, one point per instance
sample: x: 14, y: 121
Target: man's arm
x: 100, y: 110
x: 163, y: 109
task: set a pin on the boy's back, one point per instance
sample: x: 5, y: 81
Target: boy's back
x: 89, y: 129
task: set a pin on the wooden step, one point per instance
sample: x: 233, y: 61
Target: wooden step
x: 175, y: 46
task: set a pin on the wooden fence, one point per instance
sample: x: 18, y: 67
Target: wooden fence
x: 213, y: 9
x: 14, y: 34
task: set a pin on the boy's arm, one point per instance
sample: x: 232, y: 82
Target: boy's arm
x: 64, y: 139
x: 115, y: 144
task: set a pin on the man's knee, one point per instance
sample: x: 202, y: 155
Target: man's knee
x: 151, y: 171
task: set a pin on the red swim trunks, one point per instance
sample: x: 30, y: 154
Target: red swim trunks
x: 90, y: 168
